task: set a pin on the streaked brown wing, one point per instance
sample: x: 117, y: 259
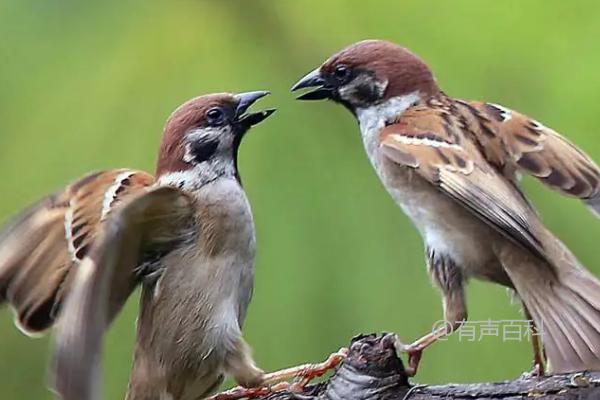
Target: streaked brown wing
x: 441, y: 155
x: 532, y: 148
x: 39, y: 248
x: 157, y: 219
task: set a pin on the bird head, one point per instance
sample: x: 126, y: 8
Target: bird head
x: 202, y: 136
x: 368, y: 73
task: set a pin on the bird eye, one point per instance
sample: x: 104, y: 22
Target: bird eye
x: 214, y: 116
x: 341, y: 72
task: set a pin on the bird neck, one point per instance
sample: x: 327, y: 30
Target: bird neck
x: 199, y: 175
x: 377, y: 116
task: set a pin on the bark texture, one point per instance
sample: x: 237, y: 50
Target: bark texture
x: 372, y: 371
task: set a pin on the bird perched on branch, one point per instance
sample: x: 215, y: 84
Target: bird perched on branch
x: 185, y: 235
x: 453, y: 167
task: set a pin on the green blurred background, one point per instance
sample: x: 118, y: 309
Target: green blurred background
x: 89, y: 86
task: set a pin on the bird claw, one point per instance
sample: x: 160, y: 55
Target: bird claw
x: 277, y: 381
x: 414, y: 353
x: 414, y: 358
x: 536, y: 372
x: 308, y: 372
x: 240, y: 392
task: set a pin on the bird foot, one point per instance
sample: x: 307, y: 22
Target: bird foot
x: 239, y: 392
x: 276, y: 381
x: 536, y: 372
x: 307, y: 372
x: 414, y: 353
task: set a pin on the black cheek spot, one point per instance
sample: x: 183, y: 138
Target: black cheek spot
x: 203, y: 150
x: 366, y: 93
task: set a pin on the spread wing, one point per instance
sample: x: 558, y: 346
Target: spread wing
x: 521, y: 143
x: 428, y: 142
x: 151, y: 222
x: 41, y: 247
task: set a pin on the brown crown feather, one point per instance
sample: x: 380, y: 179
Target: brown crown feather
x: 404, y: 71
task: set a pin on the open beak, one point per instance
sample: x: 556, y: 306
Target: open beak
x: 313, y: 80
x: 245, y: 100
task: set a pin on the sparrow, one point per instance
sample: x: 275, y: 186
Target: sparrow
x: 185, y: 235
x: 453, y: 166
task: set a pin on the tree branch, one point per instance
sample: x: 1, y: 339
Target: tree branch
x: 372, y: 371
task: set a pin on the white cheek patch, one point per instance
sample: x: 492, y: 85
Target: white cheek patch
x: 188, y: 157
x: 202, y: 134
x: 220, y: 133
x: 504, y: 112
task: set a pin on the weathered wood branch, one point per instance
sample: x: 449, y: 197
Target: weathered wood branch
x: 372, y: 371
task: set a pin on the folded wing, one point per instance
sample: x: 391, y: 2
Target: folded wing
x: 422, y: 140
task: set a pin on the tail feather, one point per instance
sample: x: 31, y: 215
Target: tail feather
x: 555, y: 343
x: 578, y: 329
x: 564, y: 301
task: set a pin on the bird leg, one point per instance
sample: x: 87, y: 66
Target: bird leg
x: 448, y: 277
x: 415, y: 349
x: 307, y: 372
x: 539, y: 354
x: 276, y: 381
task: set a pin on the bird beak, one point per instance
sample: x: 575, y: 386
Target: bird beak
x: 245, y: 100
x: 313, y: 79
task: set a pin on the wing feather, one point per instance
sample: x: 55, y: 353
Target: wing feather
x: 40, y: 247
x: 532, y: 148
x: 443, y: 156
x: 158, y: 218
